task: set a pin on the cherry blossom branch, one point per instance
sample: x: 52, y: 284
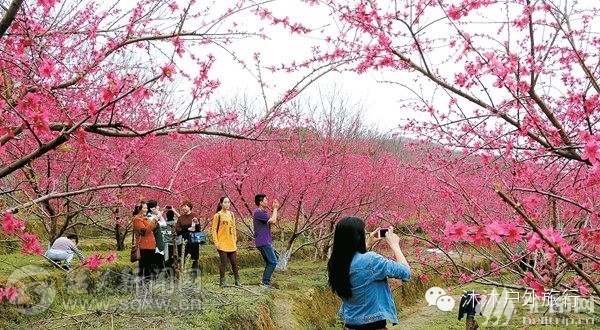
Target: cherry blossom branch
x: 521, y: 211
x: 568, y: 34
x: 82, y: 191
x: 549, y: 194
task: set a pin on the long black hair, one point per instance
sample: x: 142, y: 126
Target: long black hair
x: 348, y: 238
x: 219, y: 207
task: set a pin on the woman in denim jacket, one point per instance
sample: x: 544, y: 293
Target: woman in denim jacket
x: 360, y: 277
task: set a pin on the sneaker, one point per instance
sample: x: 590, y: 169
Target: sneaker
x: 238, y: 283
x: 267, y: 286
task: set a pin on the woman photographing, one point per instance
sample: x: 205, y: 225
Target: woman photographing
x: 360, y: 277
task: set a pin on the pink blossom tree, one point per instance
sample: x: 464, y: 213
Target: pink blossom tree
x: 330, y: 168
x: 511, y: 89
x: 86, y: 86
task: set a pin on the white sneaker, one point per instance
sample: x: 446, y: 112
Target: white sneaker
x: 267, y: 286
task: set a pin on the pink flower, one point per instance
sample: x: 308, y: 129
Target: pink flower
x: 111, y: 257
x: 10, y: 293
x: 461, y: 79
x: 479, y: 237
x: 457, y: 232
x: 168, y: 71
x: 534, y: 243
x: 178, y: 43
x: 173, y: 6
x: 590, y: 151
x: 142, y: 93
x: 537, y: 288
x: 94, y: 261
x: 495, y: 231
x: 107, y: 94
x: 513, y: 233
x: 47, y: 69
x: 566, y: 249
x: 465, y: 278
x: 454, y: 12
x: 584, y: 290
x: 30, y: 244
x: 10, y: 225
x: 92, y: 108
x: 47, y: 4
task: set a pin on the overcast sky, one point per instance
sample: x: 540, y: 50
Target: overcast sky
x: 378, y: 100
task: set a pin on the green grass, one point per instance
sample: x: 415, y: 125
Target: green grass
x: 100, y: 299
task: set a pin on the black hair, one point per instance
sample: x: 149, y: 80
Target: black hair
x: 348, y: 238
x: 170, y: 214
x: 259, y: 198
x: 152, y: 203
x: 219, y: 207
x: 73, y: 236
x: 137, y: 208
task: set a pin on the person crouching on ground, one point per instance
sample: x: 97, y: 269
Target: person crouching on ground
x: 63, y: 249
x: 360, y: 277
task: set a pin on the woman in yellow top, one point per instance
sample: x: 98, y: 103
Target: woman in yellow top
x: 224, y: 236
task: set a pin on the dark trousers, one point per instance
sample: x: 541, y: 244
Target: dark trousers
x: 146, y: 264
x: 232, y: 257
x: 193, y: 249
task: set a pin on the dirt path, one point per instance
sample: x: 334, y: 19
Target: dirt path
x: 425, y: 317
x: 283, y: 314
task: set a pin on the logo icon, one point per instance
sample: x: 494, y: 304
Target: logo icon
x: 35, y: 287
x: 437, y: 296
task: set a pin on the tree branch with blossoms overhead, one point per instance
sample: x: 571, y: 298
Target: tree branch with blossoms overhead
x: 556, y: 243
x: 508, y: 92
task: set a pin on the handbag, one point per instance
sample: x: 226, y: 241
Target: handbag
x: 198, y: 237
x: 135, y: 254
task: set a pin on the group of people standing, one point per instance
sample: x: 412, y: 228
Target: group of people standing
x: 356, y: 274
x: 148, y: 220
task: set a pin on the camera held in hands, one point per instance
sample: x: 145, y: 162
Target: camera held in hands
x: 382, y: 232
x: 193, y: 225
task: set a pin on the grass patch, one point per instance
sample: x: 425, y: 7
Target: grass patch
x: 105, y: 298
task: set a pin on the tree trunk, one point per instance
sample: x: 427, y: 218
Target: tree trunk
x: 283, y: 259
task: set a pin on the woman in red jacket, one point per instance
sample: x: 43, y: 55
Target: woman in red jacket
x: 143, y: 230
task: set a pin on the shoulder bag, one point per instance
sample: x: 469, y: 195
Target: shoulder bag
x: 135, y: 254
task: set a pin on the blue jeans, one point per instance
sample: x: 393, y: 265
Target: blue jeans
x: 60, y: 255
x: 268, y: 254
